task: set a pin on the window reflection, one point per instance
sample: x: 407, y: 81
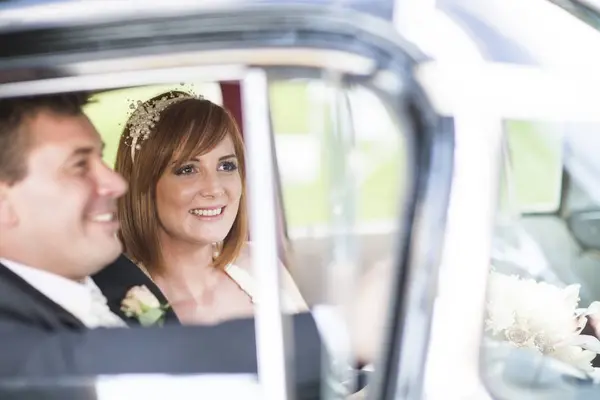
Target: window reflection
x: 343, y: 165
x: 302, y: 115
x: 539, y: 337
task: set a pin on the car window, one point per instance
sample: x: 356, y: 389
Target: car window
x: 535, y: 157
x: 362, y: 103
x: 315, y: 195
x: 544, y: 266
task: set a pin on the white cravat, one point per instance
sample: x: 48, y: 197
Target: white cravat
x: 83, y: 300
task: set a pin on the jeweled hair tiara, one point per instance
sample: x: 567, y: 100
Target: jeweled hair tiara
x: 145, y: 116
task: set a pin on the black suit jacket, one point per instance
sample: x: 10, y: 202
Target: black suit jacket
x: 39, y: 339
x: 115, y: 281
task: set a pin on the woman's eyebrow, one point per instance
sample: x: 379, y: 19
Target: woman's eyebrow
x: 227, y: 156
x: 197, y: 159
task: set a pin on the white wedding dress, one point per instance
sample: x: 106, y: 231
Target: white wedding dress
x: 292, y: 302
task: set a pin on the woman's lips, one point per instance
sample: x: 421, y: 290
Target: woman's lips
x: 208, y: 213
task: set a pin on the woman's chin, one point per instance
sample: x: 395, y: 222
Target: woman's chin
x: 205, y: 240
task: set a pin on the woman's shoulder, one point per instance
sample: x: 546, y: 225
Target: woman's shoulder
x: 296, y: 300
x: 244, y: 258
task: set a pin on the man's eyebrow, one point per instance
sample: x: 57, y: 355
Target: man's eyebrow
x: 84, y: 151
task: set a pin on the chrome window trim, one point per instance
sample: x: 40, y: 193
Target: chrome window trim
x: 542, y: 94
x: 145, y: 70
x: 271, y: 24
x: 431, y: 155
x: 72, y: 12
x: 587, y: 11
x: 421, y: 219
x: 457, y: 321
x: 57, y: 12
x: 272, y: 338
x: 329, y: 59
x: 117, y: 80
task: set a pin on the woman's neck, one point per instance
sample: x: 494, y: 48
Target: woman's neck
x: 187, y: 268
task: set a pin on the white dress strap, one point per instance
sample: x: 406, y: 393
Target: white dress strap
x: 243, y: 279
x: 247, y: 283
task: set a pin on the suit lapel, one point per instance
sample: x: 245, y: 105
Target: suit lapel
x: 20, y: 297
x: 118, y: 278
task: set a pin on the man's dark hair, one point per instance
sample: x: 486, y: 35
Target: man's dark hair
x: 15, y: 114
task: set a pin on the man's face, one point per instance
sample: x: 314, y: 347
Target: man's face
x: 63, y: 214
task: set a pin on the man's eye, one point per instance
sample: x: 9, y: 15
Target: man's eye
x: 185, y: 170
x: 82, y: 166
x: 228, y: 166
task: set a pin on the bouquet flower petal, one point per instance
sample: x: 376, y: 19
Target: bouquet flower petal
x: 541, y: 316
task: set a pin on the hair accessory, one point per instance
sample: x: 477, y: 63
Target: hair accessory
x: 145, y: 116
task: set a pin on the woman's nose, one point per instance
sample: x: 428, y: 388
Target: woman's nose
x: 211, y: 186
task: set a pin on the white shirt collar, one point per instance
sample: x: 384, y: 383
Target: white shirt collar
x: 82, y: 299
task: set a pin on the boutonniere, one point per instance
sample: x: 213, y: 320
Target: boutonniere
x: 140, y: 303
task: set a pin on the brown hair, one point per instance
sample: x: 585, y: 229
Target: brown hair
x: 14, y: 139
x: 185, y: 128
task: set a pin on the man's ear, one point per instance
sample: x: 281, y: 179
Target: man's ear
x: 8, y: 215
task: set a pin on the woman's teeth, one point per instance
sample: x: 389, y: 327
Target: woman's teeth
x: 207, y: 213
x: 106, y: 217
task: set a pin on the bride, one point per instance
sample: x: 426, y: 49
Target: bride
x: 184, y: 221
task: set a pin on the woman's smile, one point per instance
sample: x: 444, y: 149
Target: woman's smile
x: 208, y: 214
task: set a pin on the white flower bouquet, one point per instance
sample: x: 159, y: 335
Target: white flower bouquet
x: 541, y: 316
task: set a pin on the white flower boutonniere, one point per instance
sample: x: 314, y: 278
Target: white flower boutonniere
x: 140, y: 303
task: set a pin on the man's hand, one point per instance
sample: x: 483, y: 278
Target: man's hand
x: 592, y: 314
x: 594, y: 323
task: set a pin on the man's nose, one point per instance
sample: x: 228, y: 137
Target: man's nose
x: 110, y: 183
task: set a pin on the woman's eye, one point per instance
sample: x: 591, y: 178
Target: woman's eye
x: 228, y: 166
x: 185, y: 170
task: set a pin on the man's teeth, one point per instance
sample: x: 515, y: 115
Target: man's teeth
x: 207, y: 213
x: 107, y: 217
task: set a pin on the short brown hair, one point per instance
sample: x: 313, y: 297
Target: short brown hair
x: 15, y: 113
x: 186, y: 128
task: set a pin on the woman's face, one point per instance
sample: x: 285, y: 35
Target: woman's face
x: 197, y: 201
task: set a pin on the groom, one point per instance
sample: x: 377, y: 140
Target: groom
x: 58, y: 228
